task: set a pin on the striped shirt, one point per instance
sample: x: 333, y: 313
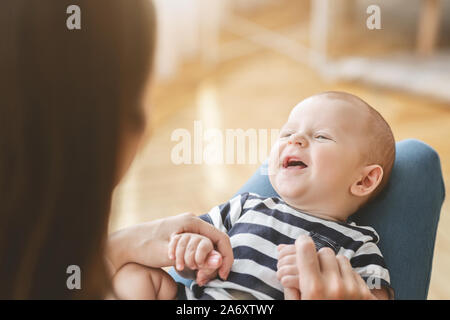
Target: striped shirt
x: 257, y: 225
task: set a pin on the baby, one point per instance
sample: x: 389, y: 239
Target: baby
x: 334, y: 154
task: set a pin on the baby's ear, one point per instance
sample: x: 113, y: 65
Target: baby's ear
x: 368, y: 181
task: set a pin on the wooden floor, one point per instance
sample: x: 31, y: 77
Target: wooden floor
x: 258, y: 90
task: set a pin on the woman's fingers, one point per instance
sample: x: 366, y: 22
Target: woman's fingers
x: 364, y: 291
x: 205, y: 275
x: 328, y: 264
x: 322, y: 275
x: 209, y: 269
x: 307, y: 260
x: 223, y: 245
x: 349, y: 281
x: 345, y: 269
x: 355, y: 286
x: 311, y: 284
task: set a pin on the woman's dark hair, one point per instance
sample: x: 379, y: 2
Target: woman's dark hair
x: 66, y: 97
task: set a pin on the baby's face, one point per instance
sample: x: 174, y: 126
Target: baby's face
x: 318, y: 154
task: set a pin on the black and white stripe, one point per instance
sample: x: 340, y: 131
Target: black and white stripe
x: 257, y: 225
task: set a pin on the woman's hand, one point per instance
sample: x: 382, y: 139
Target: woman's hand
x: 324, y: 275
x: 147, y: 243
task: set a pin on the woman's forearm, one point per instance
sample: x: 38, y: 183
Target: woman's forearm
x: 145, y: 244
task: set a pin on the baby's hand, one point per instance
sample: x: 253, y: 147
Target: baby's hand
x: 287, y: 271
x: 195, y: 252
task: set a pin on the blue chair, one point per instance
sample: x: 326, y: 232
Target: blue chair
x: 405, y: 215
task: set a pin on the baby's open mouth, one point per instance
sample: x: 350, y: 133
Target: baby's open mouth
x: 294, y: 162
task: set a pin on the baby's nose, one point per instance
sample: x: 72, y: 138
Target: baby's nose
x: 298, y: 140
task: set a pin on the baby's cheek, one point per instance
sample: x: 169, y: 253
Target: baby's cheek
x: 330, y: 166
x: 274, y: 163
x: 274, y: 156
x: 276, y: 181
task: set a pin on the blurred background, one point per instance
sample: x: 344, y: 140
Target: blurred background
x: 246, y: 63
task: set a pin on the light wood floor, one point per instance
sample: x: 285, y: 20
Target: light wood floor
x: 258, y: 91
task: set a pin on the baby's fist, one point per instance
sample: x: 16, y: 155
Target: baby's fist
x: 195, y: 252
x: 287, y: 272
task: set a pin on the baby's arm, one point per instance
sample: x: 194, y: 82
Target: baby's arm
x: 195, y: 257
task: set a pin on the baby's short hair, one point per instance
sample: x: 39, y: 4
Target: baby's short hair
x: 381, y: 147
